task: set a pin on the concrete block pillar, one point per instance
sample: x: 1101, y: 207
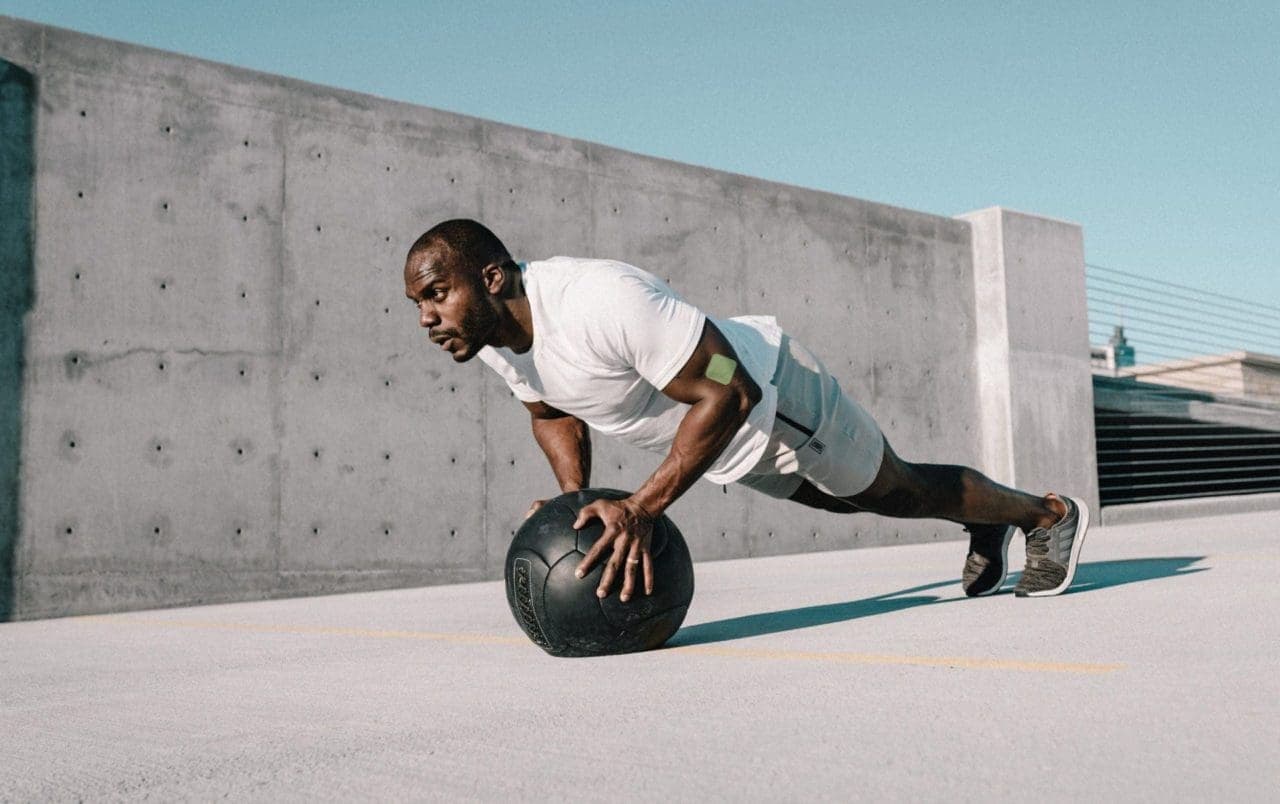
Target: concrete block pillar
x: 1034, y: 380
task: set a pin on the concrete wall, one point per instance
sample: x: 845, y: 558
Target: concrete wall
x: 225, y: 394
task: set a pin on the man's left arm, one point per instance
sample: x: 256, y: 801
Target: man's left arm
x: 720, y: 394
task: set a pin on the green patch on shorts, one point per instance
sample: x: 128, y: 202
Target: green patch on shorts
x: 720, y: 369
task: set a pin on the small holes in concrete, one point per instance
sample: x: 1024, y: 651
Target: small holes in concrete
x: 70, y: 531
x: 451, y: 458
x: 317, y: 227
x: 315, y: 453
x: 317, y: 302
x: 511, y: 191
x: 246, y: 143
x: 160, y: 366
x: 452, y: 388
x: 71, y: 444
x: 164, y: 285
x: 315, y: 377
x: 453, y: 532
x: 388, y: 168
x: 79, y: 194
x: 387, y: 238
x: 315, y: 531
x: 77, y: 275
x: 513, y: 461
x: 168, y: 129
x: 452, y: 180
x: 386, y: 456
x: 244, y: 218
x: 83, y: 113
x: 165, y: 205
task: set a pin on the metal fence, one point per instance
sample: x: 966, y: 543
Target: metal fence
x: 1186, y: 389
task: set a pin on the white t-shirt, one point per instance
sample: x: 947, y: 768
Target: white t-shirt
x: 607, y: 337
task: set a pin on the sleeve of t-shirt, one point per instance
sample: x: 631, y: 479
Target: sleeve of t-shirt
x: 644, y: 325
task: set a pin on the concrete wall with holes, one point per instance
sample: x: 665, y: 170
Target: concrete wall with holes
x: 223, y: 393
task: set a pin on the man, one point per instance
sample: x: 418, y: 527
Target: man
x: 604, y: 345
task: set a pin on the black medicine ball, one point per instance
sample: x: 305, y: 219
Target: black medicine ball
x: 562, y: 614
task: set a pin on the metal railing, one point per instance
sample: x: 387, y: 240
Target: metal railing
x: 1186, y: 389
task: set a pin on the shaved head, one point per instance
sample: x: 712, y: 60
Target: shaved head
x: 459, y: 245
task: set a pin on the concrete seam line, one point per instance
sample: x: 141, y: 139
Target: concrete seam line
x: 838, y: 657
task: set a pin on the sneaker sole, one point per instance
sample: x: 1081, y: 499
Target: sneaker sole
x: 1083, y: 514
x: 1004, y: 564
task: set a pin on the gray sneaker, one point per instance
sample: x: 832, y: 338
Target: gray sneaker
x: 1054, y: 552
x: 986, y: 565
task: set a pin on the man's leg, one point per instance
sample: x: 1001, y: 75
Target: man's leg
x: 825, y: 437
x: 957, y: 493
x: 986, y: 508
x: 938, y: 491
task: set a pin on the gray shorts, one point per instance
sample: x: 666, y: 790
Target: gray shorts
x: 819, y: 434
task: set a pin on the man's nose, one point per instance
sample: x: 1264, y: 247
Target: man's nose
x: 427, y: 317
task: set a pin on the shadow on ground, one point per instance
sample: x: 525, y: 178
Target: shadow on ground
x: 1089, y: 577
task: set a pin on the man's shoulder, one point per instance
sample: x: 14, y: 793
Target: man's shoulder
x: 591, y: 287
x: 580, y: 269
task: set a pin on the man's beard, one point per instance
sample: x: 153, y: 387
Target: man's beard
x: 475, y: 331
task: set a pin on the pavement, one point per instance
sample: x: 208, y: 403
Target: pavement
x: 856, y: 675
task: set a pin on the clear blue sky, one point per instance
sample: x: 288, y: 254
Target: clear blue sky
x: 1155, y: 125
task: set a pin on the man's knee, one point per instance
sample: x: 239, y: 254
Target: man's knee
x: 899, y: 489
x: 814, y: 497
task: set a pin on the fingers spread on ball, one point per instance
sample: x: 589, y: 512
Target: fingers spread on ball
x: 611, y: 568
x: 629, y: 576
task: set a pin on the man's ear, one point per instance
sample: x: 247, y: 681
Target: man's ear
x: 494, y: 278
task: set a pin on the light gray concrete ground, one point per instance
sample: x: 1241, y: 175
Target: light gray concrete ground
x: 850, y: 675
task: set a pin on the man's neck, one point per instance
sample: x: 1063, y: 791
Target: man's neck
x: 517, y: 325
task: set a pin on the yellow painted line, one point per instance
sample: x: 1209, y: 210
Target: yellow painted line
x: 477, y: 639
x: 836, y: 657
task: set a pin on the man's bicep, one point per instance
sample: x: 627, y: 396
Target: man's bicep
x: 713, y: 369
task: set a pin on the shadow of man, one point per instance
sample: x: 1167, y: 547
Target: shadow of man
x: 1089, y: 577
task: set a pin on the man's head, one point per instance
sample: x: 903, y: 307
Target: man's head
x: 456, y: 274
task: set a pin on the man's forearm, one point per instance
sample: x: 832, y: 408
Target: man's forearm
x: 703, y: 434
x: 566, y: 441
